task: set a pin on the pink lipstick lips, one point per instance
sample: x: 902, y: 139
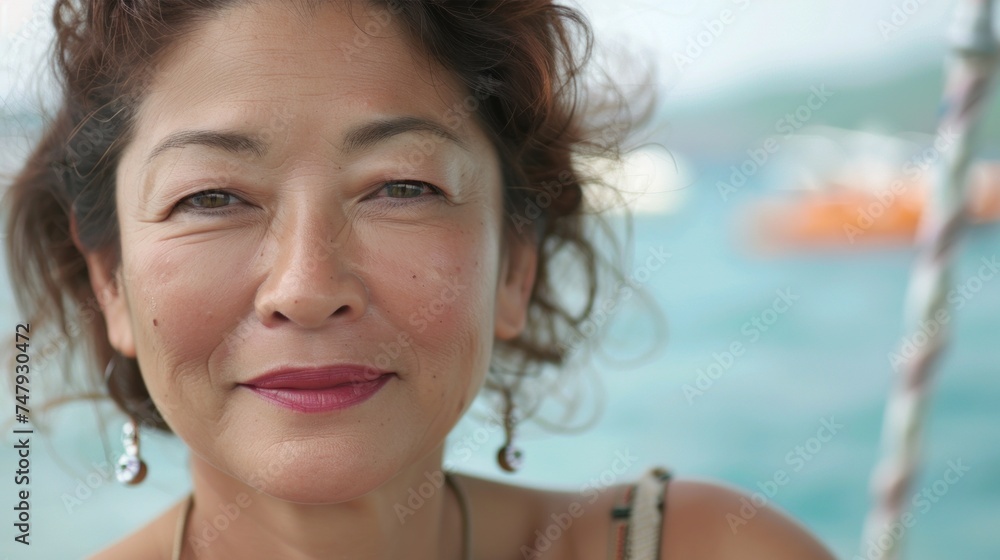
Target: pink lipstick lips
x: 319, y: 389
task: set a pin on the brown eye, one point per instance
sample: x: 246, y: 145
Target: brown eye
x: 210, y: 202
x: 407, y: 189
x: 210, y: 199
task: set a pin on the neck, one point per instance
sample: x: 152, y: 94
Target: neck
x: 402, y: 518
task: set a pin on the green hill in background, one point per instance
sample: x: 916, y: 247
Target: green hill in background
x: 905, y: 103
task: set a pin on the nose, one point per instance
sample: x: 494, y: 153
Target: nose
x: 310, y: 280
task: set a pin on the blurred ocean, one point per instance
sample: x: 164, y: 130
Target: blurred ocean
x: 821, y: 359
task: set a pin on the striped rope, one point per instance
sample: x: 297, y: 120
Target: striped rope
x: 970, y: 75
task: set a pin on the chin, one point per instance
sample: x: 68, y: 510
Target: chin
x: 308, y: 472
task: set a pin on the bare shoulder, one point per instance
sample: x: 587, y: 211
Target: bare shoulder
x: 703, y: 520
x: 153, y: 541
x: 711, y: 520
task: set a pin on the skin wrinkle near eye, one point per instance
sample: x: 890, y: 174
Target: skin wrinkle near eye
x: 152, y: 196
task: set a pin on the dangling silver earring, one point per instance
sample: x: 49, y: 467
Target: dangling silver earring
x: 130, y: 469
x: 508, y: 456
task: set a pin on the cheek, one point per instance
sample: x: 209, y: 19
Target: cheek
x: 439, y: 295
x: 186, y: 306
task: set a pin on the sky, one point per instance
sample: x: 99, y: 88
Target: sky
x: 701, y: 49
x: 716, y: 47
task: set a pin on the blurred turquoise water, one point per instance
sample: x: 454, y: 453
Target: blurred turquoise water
x: 823, y: 360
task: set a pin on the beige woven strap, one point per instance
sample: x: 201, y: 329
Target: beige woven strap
x: 645, y: 524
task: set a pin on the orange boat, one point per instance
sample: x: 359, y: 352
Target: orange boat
x: 843, y: 216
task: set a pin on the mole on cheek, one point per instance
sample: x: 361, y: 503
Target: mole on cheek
x: 155, y: 322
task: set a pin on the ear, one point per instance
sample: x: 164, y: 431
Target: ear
x: 108, y: 288
x: 518, y: 266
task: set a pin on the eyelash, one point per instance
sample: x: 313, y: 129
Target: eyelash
x: 230, y: 208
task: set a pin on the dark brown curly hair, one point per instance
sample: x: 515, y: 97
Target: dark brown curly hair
x: 524, y: 61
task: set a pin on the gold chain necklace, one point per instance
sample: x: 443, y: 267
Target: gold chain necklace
x: 450, y: 480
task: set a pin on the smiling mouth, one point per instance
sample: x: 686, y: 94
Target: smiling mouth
x: 318, y: 389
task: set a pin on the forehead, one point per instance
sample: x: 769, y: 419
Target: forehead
x: 322, y: 70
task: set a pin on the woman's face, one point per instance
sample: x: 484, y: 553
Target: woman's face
x: 323, y: 247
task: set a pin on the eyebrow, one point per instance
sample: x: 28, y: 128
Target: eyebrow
x: 359, y: 138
